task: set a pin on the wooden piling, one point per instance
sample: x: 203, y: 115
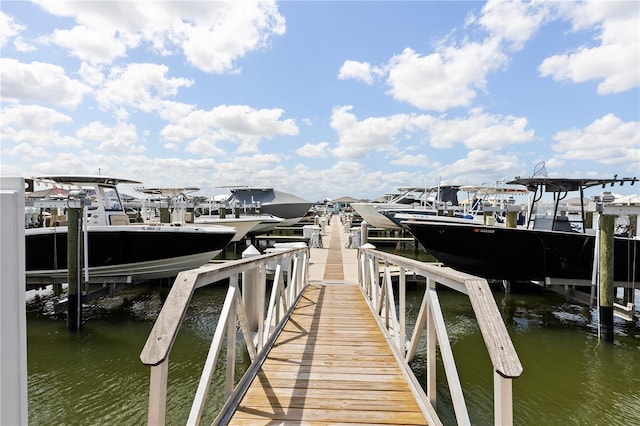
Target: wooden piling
x: 74, y: 307
x: 607, y: 294
x: 487, y: 217
x: 165, y: 215
x: 633, y: 225
x: 512, y: 219
x: 588, y: 220
x: 629, y: 293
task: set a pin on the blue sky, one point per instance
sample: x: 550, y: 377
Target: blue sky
x: 322, y: 99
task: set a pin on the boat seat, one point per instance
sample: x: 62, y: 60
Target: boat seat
x: 119, y: 220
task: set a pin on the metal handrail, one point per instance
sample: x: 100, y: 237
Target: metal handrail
x: 247, y: 309
x: 504, y: 358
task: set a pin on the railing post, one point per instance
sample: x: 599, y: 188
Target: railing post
x: 294, y: 284
x: 262, y: 294
x: 286, y: 265
x: 502, y: 400
x: 402, y: 289
x: 364, y: 233
x: 431, y: 345
x: 306, y: 256
x: 250, y: 296
x: 299, y: 272
x: 373, y: 280
x: 158, y: 394
x: 231, y: 351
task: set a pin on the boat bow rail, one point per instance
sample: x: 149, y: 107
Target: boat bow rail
x: 376, y: 284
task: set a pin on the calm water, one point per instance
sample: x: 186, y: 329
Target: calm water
x: 95, y: 377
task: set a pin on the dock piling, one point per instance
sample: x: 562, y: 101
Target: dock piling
x: 74, y: 307
x: 605, y: 272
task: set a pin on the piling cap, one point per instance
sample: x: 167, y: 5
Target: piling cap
x: 250, y: 252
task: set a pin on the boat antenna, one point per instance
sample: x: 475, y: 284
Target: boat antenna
x: 540, y: 170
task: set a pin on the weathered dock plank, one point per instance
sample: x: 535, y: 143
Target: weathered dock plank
x: 331, y: 364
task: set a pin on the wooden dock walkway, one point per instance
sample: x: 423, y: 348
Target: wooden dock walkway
x: 331, y: 363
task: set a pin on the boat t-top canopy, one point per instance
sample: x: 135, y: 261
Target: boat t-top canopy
x: 85, y: 179
x: 495, y: 190
x: 568, y: 184
x: 560, y: 187
x: 167, y: 191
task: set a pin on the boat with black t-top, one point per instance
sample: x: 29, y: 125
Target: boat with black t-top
x: 548, y: 247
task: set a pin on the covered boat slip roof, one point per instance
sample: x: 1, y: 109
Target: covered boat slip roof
x: 569, y: 184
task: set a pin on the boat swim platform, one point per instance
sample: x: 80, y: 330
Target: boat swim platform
x: 332, y: 362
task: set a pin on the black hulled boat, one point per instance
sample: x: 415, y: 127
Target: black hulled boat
x: 550, y: 249
x: 115, y: 246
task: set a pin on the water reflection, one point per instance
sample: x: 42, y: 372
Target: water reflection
x: 96, y: 377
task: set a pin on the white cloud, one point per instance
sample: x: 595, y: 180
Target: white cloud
x: 39, y: 82
x: 615, y: 61
x: 445, y: 79
x: 141, y: 86
x: 93, y: 45
x: 513, y: 22
x: 310, y: 150
x: 357, y: 138
x: 63, y: 163
x: 27, y: 150
x: 173, y: 111
x: 9, y: 28
x: 356, y: 70
x: 452, y: 75
x: 229, y: 123
x: 121, y: 138
x: 480, y: 130
x: 32, y: 117
x: 28, y: 129
x: 92, y: 75
x: 342, y: 178
x: 608, y: 140
x: 23, y: 46
x: 260, y: 161
x: 482, y: 166
x: 412, y: 160
x: 201, y: 146
x: 211, y: 35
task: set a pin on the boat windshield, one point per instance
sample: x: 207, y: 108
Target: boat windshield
x: 110, y: 198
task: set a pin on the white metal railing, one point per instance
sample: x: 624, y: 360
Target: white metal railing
x: 376, y: 284
x: 246, y: 308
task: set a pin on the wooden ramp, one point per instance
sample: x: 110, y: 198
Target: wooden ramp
x: 331, y: 364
